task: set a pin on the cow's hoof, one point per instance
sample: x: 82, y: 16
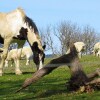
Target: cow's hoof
x: 0, y: 74
x: 18, y: 72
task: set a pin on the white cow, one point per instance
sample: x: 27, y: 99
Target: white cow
x: 17, y: 54
x: 17, y: 25
x: 80, y: 47
x: 27, y: 53
x: 98, y: 53
x: 14, y: 55
x: 96, y: 48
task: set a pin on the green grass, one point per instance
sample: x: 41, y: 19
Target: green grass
x: 50, y: 87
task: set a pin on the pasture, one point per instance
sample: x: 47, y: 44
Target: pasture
x: 50, y: 87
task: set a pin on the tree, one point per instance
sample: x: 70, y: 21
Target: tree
x: 47, y: 38
x: 66, y: 33
x: 89, y: 38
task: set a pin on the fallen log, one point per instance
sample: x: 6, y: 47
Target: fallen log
x: 78, y: 77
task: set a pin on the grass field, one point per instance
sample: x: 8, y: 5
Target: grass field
x: 50, y: 87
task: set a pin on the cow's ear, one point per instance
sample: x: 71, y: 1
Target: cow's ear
x: 44, y: 46
x: 35, y: 46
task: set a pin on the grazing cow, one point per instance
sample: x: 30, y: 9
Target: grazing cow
x: 96, y: 48
x: 98, y: 53
x: 80, y: 47
x: 27, y: 53
x: 16, y: 25
x: 14, y: 55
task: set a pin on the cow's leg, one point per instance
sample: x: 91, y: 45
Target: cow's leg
x: 79, y: 55
x: 12, y: 61
x: 17, y: 68
x: 27, y: 61
x: 6, y: 63
x: 4, y: 54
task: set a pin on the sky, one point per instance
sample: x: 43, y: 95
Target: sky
x: 50, y: 12
x: 46, y: 12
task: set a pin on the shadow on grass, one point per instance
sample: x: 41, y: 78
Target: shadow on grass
x: 47, y: 93
x: 10, y: 82
x: 52, y: 92
x: 19, y: 75
x: 28, y: 72
x: 46, y: 88
x: 9, y: 87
